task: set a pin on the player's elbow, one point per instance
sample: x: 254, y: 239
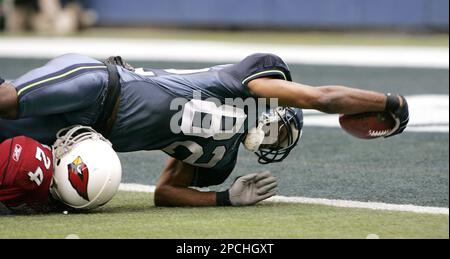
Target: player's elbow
x: 330, y: 99
x: 162, y: 196
x: 323, y: 101
x: 333, y: 99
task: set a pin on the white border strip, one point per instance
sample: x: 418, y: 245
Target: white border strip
x: 362, y: 205
x: 328, y: 202
x: 224, y: 52
x: 132, y: 187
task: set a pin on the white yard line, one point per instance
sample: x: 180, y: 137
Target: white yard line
x: 362, y: 205
x: 221, y: 52
x: 132, y: 187
x: 327, y: 202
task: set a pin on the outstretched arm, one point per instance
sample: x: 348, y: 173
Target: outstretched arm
x: 333, y: 99
x: 328, y: 99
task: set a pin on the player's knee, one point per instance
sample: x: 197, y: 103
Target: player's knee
x: 8, y: 101
x: 74, y: 58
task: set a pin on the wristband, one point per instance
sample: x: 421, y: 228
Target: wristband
x: 223, y: 198
x: 392, y: 103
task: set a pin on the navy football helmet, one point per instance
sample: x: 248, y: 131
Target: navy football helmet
x: 277, y: 133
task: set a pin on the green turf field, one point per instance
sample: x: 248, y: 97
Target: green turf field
x: 411, y: 169
x: 131, y: 215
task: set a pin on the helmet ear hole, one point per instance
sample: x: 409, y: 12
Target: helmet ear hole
x: 54, y: 184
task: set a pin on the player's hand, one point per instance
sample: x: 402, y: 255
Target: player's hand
x: 252, y: 188
x: 118, y: 60
x: 400, y: 115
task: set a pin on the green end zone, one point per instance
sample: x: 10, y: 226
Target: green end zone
x: 132, y: 215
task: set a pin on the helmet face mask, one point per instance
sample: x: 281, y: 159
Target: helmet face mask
x: 87, y: 170
x: 282, y: 129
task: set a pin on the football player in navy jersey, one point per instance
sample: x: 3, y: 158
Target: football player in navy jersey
x: 138, y: 109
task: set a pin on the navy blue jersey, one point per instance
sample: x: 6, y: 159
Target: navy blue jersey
x: 68, y: 90
x: 184, y: 113
x: 202, y: 137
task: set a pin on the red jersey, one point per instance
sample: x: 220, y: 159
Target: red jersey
x: 26, y: 170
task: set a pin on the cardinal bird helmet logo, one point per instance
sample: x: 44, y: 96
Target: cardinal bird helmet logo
x: 79, y: 177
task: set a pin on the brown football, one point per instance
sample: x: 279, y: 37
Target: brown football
x: 367, y: 125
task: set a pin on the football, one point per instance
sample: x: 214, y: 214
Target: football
x: 367, y: 125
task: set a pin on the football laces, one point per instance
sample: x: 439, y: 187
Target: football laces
x: 379, y: 133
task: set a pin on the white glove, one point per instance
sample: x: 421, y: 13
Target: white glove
x: 252, y: 188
